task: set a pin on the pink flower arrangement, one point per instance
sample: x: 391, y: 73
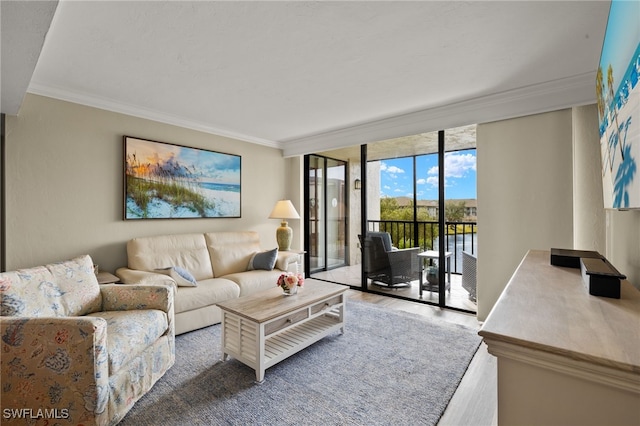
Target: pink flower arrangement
x: 289, y: 280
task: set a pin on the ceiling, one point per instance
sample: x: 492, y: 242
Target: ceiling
x: 305, y: 76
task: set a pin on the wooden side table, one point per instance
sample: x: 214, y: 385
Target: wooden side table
x: 106, y: 278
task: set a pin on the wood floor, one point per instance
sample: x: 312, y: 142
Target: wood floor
x: 475, y: 400
x: 457, y: 297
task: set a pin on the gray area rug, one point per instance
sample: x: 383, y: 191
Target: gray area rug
x: 389, y: 368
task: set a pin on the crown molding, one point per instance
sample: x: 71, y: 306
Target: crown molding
x: 538, y: 98
x: 136, y: 111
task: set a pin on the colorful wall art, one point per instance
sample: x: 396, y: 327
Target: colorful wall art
x: 168, y: 181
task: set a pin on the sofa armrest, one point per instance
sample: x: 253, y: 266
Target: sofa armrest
x: 128, y: 297
x: 55, y: 363
x: 286, y: 258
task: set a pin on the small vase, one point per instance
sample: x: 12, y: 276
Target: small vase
x: 290, y: 291
x: 433, y: 276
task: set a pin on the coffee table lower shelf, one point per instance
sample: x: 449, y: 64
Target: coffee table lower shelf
x: 262, y: 345
x: 292, y: 340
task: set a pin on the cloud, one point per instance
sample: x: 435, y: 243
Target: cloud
x: 456, y: 165
x: 390, y: 169
x: 433, y: 181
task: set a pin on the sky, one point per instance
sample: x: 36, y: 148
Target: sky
x: 621, y: 39
x: 211, y: 166
x: 396, y: 176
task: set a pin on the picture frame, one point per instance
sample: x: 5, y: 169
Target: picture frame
x: 618, y: 101
x: 170, y: 181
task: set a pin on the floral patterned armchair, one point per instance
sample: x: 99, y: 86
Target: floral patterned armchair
x: 75, y: 352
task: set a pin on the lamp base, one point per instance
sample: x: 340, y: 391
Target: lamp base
x: 283, y: 236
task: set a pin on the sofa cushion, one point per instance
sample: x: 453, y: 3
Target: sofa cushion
x: 131, y: 332
x: 263, y: 260
x: 230, y: 252
x: 181, y: 276
x: 208, y: 292
x: 189, y: 251
x: 254, y: 281
x: 68, y: 288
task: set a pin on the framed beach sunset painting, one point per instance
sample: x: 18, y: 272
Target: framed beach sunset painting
x: 168, y: 181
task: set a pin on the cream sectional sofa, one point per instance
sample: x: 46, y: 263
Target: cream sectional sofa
x: 219, y: 263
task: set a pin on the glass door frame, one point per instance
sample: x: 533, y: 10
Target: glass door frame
x: 441, y: 224
x: 325, y: 217
x: 441, y: 217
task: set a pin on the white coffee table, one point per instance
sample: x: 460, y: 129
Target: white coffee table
x: 262, y: 329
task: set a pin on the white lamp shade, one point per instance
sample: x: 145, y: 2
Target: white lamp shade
x: 284, y: 210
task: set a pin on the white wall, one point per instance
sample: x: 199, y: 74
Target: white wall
x: 64, y: 181
x: 623, y: 243
x: 294, y: 191
x: 355, y: 211
x: 373, y: 190
x: 540, y: 186
x: 588, y: 212
x: 525, y: 201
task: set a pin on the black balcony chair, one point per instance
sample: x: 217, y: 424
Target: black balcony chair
x: 385, y: 265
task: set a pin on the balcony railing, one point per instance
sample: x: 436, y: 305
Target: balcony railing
x: 459, y: 236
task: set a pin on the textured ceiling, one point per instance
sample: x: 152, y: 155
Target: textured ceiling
x: 286, y: 73
x: 23, y: 27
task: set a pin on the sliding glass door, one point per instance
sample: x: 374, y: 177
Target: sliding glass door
x: 419, y: 193
x: 327, y: 218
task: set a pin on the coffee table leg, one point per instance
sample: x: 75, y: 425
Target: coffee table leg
x: 259, y: 376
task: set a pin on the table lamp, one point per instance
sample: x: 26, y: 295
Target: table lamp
x: 284, y: 210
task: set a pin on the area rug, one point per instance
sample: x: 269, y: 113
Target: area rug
x: 388, y: 368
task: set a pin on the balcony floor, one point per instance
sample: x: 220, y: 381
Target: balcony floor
x: 457, y: 297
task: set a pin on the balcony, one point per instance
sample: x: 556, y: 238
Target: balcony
x: 395, y: 179
x: 459, y: 237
